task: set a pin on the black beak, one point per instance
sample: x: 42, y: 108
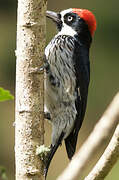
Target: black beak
x: 54, y: 16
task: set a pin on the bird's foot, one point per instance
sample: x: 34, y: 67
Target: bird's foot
x: 47, y: 116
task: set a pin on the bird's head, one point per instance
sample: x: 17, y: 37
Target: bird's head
x: 74, y: 21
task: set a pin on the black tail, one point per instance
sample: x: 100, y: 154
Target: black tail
x: 51, y: 154
x: 71, y: 140
x: 70, y: 143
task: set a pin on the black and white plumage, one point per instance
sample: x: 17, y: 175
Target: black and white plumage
x: 67, y: 78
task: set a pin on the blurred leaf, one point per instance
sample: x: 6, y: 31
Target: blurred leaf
x: 5, y: 95
x: 3, y: 175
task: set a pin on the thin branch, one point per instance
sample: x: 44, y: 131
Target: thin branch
x: 29, y: 130
x: 108, y: 159
x: 107, y: 124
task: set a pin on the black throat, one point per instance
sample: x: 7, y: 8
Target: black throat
x: 84, y: 35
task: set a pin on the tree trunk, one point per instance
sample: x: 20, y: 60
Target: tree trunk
x: 29, y: 131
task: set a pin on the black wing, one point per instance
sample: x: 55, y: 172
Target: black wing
x: 82, y: 69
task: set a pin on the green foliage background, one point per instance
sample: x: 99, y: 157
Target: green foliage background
x: 104, y: 84
x: 5, y: 95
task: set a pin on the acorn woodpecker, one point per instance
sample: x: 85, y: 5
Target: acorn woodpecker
x: 67, y: 76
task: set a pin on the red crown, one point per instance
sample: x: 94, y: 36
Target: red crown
x: 88, y: 17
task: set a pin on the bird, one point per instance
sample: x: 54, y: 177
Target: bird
x: 67, y: 77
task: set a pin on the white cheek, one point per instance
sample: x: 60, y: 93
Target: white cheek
x: 67, y: 30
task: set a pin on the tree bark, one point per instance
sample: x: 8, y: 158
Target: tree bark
x: 29, y: 130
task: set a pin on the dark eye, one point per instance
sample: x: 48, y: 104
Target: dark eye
x: 69, y: 18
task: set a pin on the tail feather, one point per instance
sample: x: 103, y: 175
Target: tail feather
x: 51, y: 154
x: 70, y: 143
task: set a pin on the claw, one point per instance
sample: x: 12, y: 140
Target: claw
x: 47, y: 115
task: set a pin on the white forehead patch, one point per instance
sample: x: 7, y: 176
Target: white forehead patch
x: 65, y: 11
x: 66, y: 30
